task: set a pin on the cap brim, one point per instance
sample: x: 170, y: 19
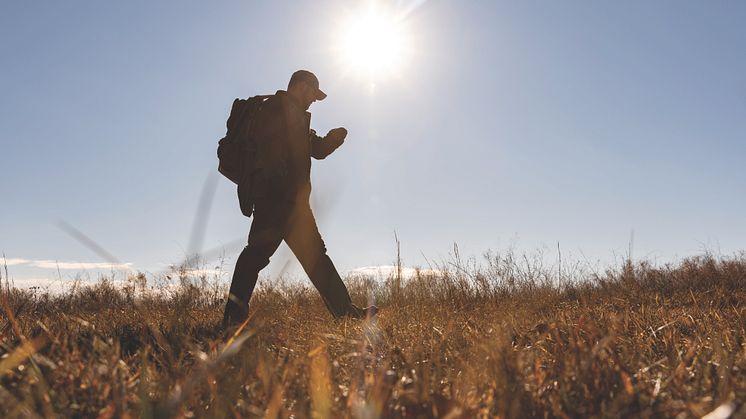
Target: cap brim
x: 320, y: 95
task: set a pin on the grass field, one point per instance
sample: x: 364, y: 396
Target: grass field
x: 500, y: 338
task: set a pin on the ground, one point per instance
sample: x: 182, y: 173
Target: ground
x: 499, y: 339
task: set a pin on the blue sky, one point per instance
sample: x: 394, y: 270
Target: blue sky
x: 509, y: 124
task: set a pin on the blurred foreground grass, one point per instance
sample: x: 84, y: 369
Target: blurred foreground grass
x: 503, y: 338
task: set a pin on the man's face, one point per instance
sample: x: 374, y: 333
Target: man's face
x: 309, y: 95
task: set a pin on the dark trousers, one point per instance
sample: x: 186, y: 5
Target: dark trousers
x: 295, y: 224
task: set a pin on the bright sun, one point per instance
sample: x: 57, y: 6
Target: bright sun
x: 373, y: 43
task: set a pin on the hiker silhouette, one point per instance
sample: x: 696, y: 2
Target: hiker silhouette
x: 276, y: 189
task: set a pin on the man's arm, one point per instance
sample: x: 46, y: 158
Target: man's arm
x: 324, y: 146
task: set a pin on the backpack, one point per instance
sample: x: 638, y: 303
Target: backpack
x: 237, y: 150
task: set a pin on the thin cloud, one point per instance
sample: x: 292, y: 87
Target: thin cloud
x: 53, y: 264
x: 62, y: 265
x: 15, y: 261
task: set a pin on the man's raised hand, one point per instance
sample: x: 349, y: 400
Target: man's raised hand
x: 337, y: 136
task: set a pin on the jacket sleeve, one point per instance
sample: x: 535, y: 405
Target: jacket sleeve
x: 323, y: 146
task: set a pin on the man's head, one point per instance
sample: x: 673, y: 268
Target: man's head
x: 304, y: 87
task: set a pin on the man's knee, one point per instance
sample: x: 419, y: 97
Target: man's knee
x: 253, y: 257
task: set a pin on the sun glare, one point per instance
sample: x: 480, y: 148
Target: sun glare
x: 372, y: 43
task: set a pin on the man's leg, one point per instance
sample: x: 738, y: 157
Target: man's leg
x: 264, y: 238
x: 305, y: 241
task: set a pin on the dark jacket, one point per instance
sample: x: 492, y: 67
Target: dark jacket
x: 285, y: 144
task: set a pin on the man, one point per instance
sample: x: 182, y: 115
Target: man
x: 279, y: 189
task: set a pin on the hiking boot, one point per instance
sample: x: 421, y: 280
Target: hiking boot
x: 233, y: 317
x: 356, y: 312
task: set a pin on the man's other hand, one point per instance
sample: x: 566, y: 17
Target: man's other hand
x: 337, y: 136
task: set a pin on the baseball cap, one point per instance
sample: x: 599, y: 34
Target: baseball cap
x: 309, y: 78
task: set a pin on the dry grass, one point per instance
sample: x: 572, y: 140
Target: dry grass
x: 499, y: 338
